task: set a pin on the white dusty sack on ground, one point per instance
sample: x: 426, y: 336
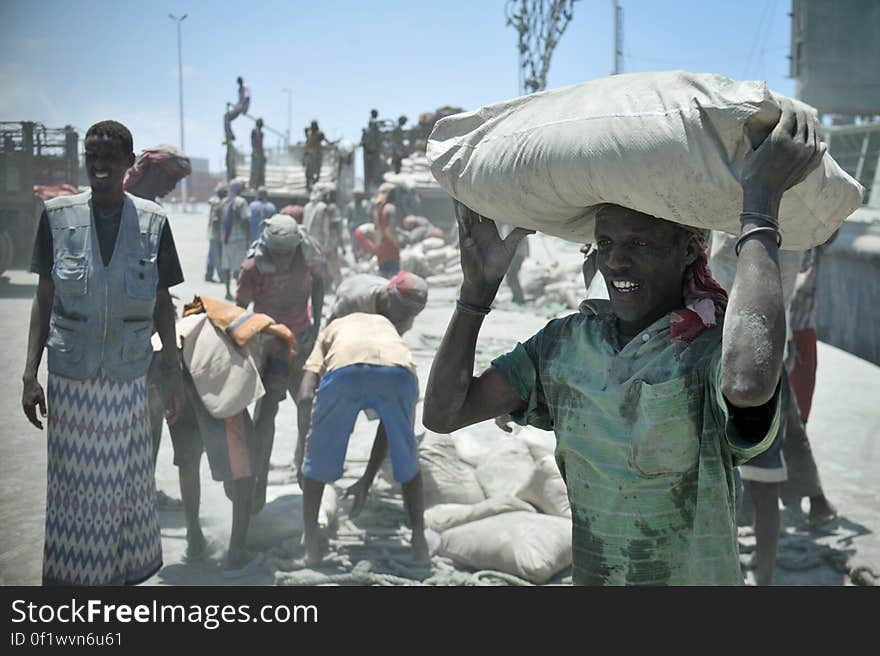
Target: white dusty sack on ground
x: 506, y: 472
x: 449, y: 515
x: 446, y: 478
x: 532, y: 546
x: 539, y: 442
x: 546, y: 490
x: 671, y: 144
x: 475, y: 448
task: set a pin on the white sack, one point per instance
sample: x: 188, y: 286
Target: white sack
x: 506, y: 472
x: 528, y: 545
x: 670, y: 144
x: 546, y: 490
x: 446, y: 478
x: 449, y: 515
x: 476, y: 446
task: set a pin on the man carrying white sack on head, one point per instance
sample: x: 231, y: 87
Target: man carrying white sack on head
x: 653, y: 403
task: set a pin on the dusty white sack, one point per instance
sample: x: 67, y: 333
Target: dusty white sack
x: 449, y: 515
x: 670, y: 144
x: 528, y: 545
x: 446, y: 478
x: 546, y: 490
x: 476, y: 446
x: 506, y: 472
x: 432, y: 244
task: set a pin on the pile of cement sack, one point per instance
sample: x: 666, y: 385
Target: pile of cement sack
x: 550, y: 285
x: 498, y: 502
x: 435, y: 261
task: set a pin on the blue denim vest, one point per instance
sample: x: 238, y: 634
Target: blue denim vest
x: 102, y: 317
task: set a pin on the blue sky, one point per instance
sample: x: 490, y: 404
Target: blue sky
x: 80, y: 61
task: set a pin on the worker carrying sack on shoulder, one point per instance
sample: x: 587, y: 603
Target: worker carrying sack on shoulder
x: 669, y: 144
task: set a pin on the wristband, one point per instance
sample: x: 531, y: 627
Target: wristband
x: 751, y: 233
x: 772, y: 220
x: 475, y: 310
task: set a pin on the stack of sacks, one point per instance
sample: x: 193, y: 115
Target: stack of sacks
x: 545, y: 284
x: 498, y: 501
x: 435, y: 261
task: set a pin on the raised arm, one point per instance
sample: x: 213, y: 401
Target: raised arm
x: 454, y: 397
x: 754, y: 326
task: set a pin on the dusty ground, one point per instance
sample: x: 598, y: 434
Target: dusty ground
x: 844, y: 431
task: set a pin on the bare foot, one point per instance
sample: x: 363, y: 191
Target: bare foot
x: 360, y: 491
x: 196, y: 547
x: 242, y: 563
x: 421, y: 555
x: 821, y: 512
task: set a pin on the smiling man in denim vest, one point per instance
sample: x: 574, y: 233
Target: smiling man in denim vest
x: 106, y: 260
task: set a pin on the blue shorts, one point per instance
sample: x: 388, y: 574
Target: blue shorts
x: 391, y: 392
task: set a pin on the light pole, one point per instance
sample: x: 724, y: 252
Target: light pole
x: 288, y: 92
x: 184, y: 187
x: 618, y: 37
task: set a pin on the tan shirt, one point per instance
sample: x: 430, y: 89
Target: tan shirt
x: 359, y: 339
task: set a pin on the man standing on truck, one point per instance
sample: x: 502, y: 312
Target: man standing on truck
x: 371, y: 140
x: 258, y: 157
x: 236, y: 110
x: 313, y: 157
x: 99, y: 456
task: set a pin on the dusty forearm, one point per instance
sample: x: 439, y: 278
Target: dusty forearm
x: 451, y: 374
x: 38, y: 330
x: 754, y: 326
x: 163, y: 316
x: 317, y: 301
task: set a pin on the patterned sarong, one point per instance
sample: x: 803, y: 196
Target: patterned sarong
x: 102, y: 522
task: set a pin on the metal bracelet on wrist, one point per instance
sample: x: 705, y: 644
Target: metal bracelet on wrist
x: 751, y: 233
x: 760, y: 216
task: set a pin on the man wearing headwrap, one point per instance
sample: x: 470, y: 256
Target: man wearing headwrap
x: 281, y: 274
x: 295, y: 211
x: 654, y: 395
x: 360, y: 362
x: 156, y: 172
x: 235, y: 230
x: 400, y: 300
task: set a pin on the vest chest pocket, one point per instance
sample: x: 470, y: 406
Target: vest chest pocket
x: 666, y: 433
x: 66, y: 337
x: 141, y: 278
x: 70, y: 274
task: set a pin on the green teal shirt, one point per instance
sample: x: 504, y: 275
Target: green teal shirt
x: 646, y: 444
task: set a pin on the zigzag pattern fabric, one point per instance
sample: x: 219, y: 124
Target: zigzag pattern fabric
x: 102, y: 521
